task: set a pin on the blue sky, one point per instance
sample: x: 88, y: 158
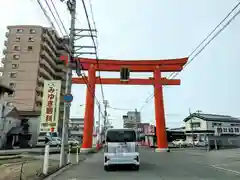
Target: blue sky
x: 155, y: 29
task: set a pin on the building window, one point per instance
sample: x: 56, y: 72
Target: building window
x: 225, y: 130
x: 30, y: 48
x: 15, y: 66
x: 195, y: 125
x: 18, y: 39
x: 19, y: 30
x: 16, y: 48
x: 236, y: 129
x: 216, y: 124
x: 11, y: 95
x: 12, y: 85
x: 32, y: 31
x: 13, y: 75
x: 30, y: 39
x: 16, y: 57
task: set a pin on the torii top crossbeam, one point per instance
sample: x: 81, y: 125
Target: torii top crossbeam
x: 168, y: 65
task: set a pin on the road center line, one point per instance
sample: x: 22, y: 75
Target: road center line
x: 229, y: 170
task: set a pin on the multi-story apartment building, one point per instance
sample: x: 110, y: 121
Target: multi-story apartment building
x: 32, y: 56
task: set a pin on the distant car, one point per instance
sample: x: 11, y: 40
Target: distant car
x: 180, y: 143
x: 73, y: 142
x: 200, y: 143
x: 55, y: 141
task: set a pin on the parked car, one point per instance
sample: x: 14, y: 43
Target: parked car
x: 180, y: 143
x: 55, y: 141
x: 73, y: 142
x: 200, y: 143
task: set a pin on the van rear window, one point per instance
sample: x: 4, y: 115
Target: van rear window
x: 121, y: 136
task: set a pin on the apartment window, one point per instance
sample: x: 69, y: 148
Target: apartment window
x: 16, y: 48
x: 12, y: 85
x: 17, y: 38
x: 13, y: 75
x: 225, y: 130
x: 32, y: 31
x: 19, y: 30
x: 30, y: 39
x: 16, y: 57
x: 30, y: 48
x: 15, y: 66
x: 12, y: 94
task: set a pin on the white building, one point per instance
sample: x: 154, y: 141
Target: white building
x: 76, y: 126
x: 10, y: 120
x: 132, y: 119
x: 200, y: 126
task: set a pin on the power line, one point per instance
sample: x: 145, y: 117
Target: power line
x: 120, y: 109
x: 94, y: 44
x: 190, y: 60
x: 94, y: 22
x: 55, y: 9
x: 54, y: 27
x: 46, y: 15
x: 56, y: 21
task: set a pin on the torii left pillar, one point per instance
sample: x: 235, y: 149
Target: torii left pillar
x: 89, y: 111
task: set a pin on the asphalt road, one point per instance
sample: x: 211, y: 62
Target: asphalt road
x: 176, y: 165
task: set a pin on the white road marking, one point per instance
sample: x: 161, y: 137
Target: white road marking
x: 229, y: 170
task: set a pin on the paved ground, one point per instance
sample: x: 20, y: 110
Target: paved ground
x: 179, y: 165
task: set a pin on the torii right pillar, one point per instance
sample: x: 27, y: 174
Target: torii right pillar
x: 162, y: 143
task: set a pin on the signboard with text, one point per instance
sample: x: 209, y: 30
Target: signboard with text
x: 50, y: 106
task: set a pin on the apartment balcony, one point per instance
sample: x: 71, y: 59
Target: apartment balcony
x: 6, y: 34
x: 3, y: 60
x: 45, y: 73
x: 61, y: 75
x: 45, y: 44
x: 38, y: 108
x: 38, y: 98
x: 5, y: 42
x: 44, y: 54
x: 4, y: 51
x: 41, y: 80
x: 45, y: 63
x: 50, y: 40
x: 62, y: 67
x: 39, y: 89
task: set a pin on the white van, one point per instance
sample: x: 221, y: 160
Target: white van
x: 121, y: 147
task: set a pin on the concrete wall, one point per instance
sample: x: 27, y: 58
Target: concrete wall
x: 34, y: 127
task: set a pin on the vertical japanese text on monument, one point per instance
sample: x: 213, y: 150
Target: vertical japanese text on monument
x: 49, y: 107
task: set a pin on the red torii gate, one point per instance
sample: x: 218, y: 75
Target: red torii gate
x: 155, y: 66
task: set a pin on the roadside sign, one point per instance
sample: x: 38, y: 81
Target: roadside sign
x: 52, y: 129
x: 68, y: 98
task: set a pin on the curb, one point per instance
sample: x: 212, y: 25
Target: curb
x: 51, y: 176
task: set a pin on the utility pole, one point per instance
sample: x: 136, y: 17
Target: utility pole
x: 105, y: 123
x: 191, y: 127
x: 71, y: 4
x: 99, y: 138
